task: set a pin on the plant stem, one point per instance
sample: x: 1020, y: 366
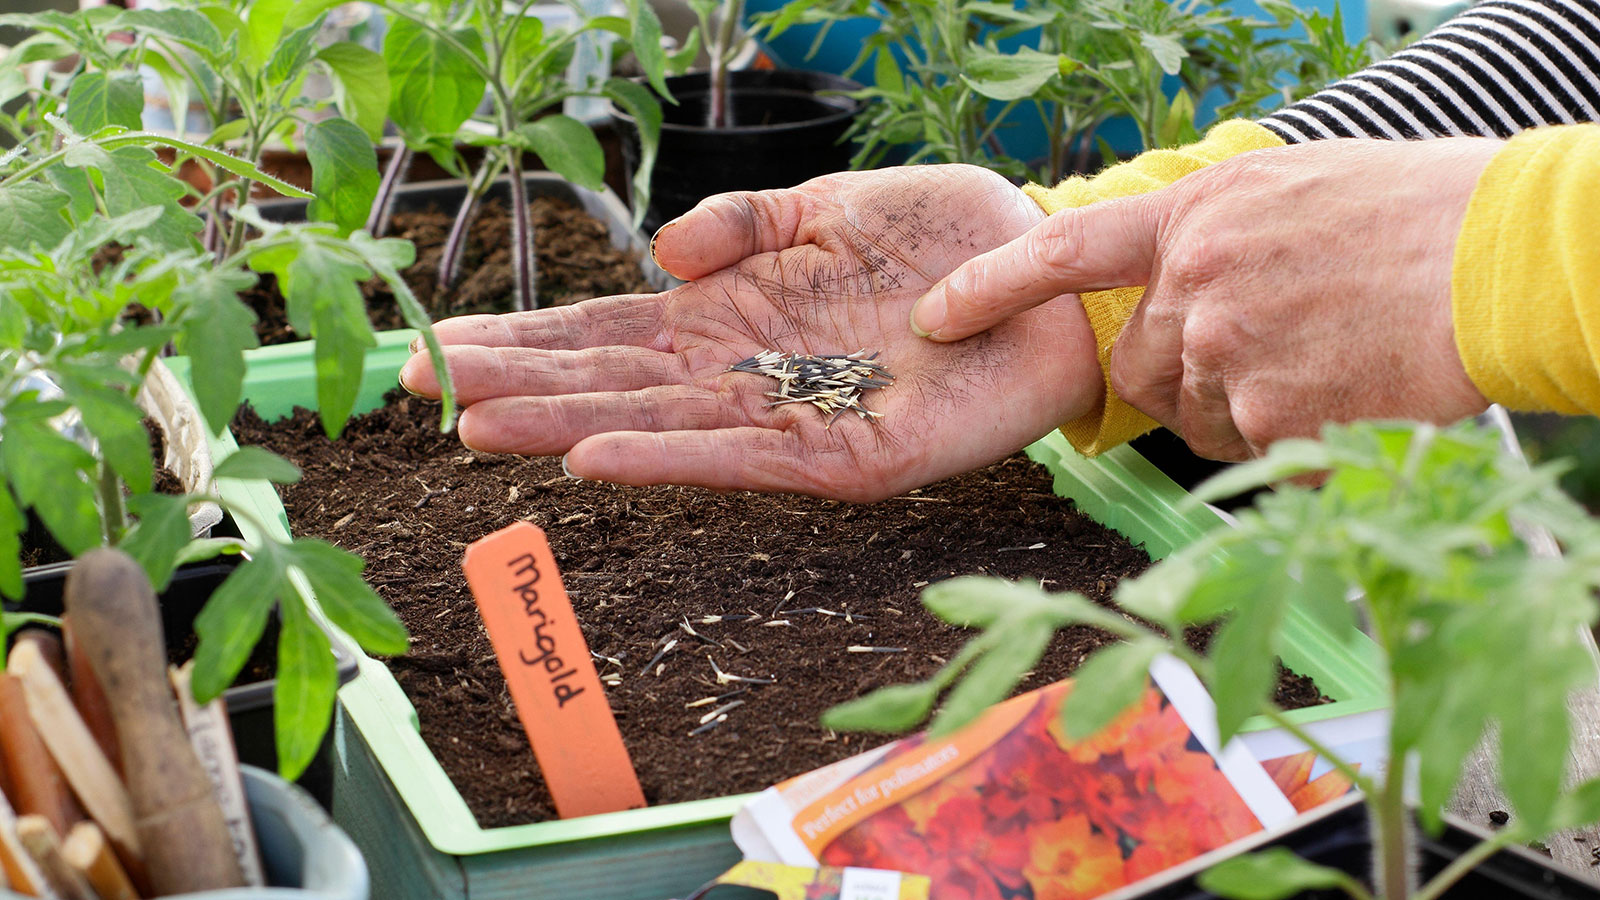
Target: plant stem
x: 450, y: 259
x: 719, y: 114
x: 524, y: 260
x: 1394, y: 840
x: 383, y: 204
x: 112, y: 516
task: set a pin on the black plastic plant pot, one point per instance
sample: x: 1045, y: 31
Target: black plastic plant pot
x: 1336, y: 835
x: 789, y: 127
x: 250, y: 703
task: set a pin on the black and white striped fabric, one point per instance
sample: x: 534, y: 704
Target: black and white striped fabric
x: 1498, y: 68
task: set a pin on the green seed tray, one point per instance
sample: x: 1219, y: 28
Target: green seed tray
x: 420, y: 838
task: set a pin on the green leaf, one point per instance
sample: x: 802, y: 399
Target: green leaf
x: 1286, y: 458
x: 645, y: 39
x: 12, y: 522
x: 637, y: 101
x: 160, y: 536
x: 1011, y: 76
x: 1108, y: 683
x: 117, y: 425
x: 386, y: 257
x: 233, y: 620
x: 132, y: 179
x: 1578, y: 807
x: 96, y: 100
x: 344, y: 174
x: 893, y: 709
x: 241, y: 167
x: 347, y: 600
x: 49, y: 474
x: 1270, y: 874
x: 996, y: 674
x: 262, y: 31
x: 217, y: 327
x: 1168, y: 52
x: 323, y: 288
x: 886, y: 73
x: 974, y: 601
x: 568, y: 148
x: 185, y: 26
x: 433, y: 86
x: 33, y: 216
x: 1245, y: 650
x: 292, y: 54
x: 360, y: 85
x: 308, y: 679
x: 257, y: 463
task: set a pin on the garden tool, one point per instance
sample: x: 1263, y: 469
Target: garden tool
x: 176, y: 814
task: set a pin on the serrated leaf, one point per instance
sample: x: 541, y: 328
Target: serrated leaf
x: 433, y: 87
x: 97, y: 100
x: 894, y: 709
x: 995, y: 674
x: 347, y: 600
x: 1270, y: 874
x: 262, y: 31
x: 216, y: 330
x: 159, y: 537
x: 185, y: 26
x: 324, y: 289
x: 49, y: 474
x: 233, y: 620
x: 344, y: 174
x: 117, y: 425
x: 1107, y: 684
x: 360, y: 85
x: 257, y: 463
x: 33, y: 216
x: 132, y: 179
x: 308, y: 679
x: 1245, y: 668
x: 292, y: 54
x: 568, y: 148
x: 1011, y: 76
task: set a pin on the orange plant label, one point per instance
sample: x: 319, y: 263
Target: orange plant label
x: 552, y: 679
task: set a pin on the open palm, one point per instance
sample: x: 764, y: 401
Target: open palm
x: 636, y: 389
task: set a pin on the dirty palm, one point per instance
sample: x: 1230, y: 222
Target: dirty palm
x: 637, y: 389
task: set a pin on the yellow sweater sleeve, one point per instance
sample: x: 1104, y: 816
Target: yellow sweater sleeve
x: 1525, y: 288
x: 1114, y: 422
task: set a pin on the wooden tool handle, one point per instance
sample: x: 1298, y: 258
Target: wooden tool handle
x: 38, y: 786
x: 45, y: 847
x: 90, y: 699
x: 180, y: 825
x: 88, y: 853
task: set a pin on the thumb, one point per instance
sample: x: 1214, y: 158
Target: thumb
x: 1092, y: 248
x: 726, y: 229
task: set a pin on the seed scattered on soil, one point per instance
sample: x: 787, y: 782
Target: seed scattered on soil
x: 832, y: 383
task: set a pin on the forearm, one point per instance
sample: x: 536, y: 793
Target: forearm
x: 1501, y: 67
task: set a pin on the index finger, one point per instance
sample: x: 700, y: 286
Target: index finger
x: 633, y: 320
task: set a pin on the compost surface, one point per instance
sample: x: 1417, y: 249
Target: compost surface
x: 575, y: 261
x: 638, y: 562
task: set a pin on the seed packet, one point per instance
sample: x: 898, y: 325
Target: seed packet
x: 1010, y: 806
x: 826, y: 883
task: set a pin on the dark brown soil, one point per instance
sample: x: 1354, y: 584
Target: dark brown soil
x: 575, y: 262
x: 639, y: 563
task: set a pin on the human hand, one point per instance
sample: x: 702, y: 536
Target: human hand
x: 636, y: 389
x: 1286, y: 288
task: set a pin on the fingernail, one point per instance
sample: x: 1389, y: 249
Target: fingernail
x: 927, y: 315
x: 417, y: 343
x: 405, y: 379
x: 656, y: 237
x: 566, y: 471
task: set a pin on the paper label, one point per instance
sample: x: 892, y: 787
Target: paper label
x: 869, y: 884
x: 552, y: 680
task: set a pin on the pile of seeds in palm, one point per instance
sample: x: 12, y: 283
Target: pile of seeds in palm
x: 832, y: 383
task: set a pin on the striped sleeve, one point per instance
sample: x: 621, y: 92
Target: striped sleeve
x: 1499, y: 68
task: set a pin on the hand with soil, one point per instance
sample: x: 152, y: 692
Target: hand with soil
x: 636, y: 389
